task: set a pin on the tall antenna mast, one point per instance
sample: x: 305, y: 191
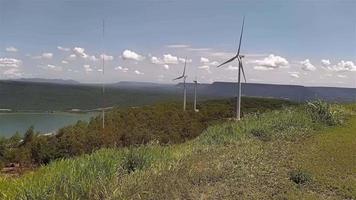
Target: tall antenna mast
x: 103, y: 85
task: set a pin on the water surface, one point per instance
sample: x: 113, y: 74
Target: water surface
x: 10, y: 123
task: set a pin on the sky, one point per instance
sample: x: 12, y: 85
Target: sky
x: 310, y: 43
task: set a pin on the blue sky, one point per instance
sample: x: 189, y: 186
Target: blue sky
x: 285, y: 41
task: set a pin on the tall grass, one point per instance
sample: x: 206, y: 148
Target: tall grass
x: 121, y: 173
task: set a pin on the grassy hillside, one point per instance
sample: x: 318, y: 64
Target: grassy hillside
x: 162, y: 122
x: 283, y: 154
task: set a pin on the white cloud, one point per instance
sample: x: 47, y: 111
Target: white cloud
x: 262, y: 68
x: 64, y: 62
x: 47, y: 55
x: 204, y: 60
x: 11, y: 49
x: 325, y: 63
x: 166, y: 66
x: 169, y: 59
x: 155, y: 60
x: 178, y: 46
x: 130, y: 55
x: 342, y: 66
x: 271, y: 62
x: 294, y: 75
x: 72, y: 57
x: 206, y: 67
x: 124, y: 69
x: 80, y: 52
x: 10, y: 62
x: 214, y: 63
x: 138, y: 72
x: 182, y: 60
x: 93, y: 58
x: 63, y: 48
x: 198, y: 49
x: 307, y: 66
x: 87, y: 68
x: 106, y: 57
x: 54, y: 67
x: 232, y: 68
x: 12, y: 73
x: 341, y: 76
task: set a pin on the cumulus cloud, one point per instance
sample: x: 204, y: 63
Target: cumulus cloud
x: 10, y: 62
x: 166, y: 66
x: 155, y: 60
x: 262, y: 68
x: 307, y: 66
x: 54, y: 67
x: 138, y: 72
x: 178, y: 46
x: 87, y: 68
x: 169, y: 59
x: 232, y: 68
x: 72, y: 57
x: 182, y: 60
x: 106, y: 57
x: 12, y: 73
x: 47, y: 55
x: 64, y: 62
x: 124, y: 69
x: 341, y: 76
x: 271, y: 62
x: 131, y: 55
x: 325, y: 63
x: 11, y: 49
x: 342, y: 66
x: 63, y: 48
x: 294, y: 74
x: 80, y: 52
x: 204, y: 60
x: 93, y: 58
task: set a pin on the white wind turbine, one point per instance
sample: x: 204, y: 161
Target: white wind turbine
x: 240, y: 69
x: 195, y: 94
x: 184, y: 77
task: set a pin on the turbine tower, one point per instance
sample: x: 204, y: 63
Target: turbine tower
x: 240, y: 69
x: 184, y: 77
x: 103, y: 84
x: 195, y: 94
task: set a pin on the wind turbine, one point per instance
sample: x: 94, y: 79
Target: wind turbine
x: 103, y: 84
x: 241, y: 69
x: 195, y: 94
x: 184, y: 77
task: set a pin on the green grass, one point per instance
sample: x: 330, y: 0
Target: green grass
x: 228, y: 161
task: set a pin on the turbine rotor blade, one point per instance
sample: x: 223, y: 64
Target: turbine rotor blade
x: 230, y: 60
x: 242, y: 69
x: 178, y: 78
x: 185, y: 65
x: 242, y: 30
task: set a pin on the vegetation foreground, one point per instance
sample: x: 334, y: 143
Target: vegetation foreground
x: 299, y: 152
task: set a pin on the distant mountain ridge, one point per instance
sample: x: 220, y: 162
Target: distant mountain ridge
x: 292, y: 92
x: 47, y: 94
x: 44, y: 80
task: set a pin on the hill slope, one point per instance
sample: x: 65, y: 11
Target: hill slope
x: 275, y: 155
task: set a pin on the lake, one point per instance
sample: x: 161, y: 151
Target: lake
x: 43, y: 122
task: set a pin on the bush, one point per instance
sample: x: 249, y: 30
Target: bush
x: 321, y: 111
x: 135, y: 160
x: 300, y: 177
x: 261, y: 134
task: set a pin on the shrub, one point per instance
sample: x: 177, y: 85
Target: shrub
x: 261, y: 134
x: 300, y: 177
x: 321, y: 111
x: 135, y: 160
